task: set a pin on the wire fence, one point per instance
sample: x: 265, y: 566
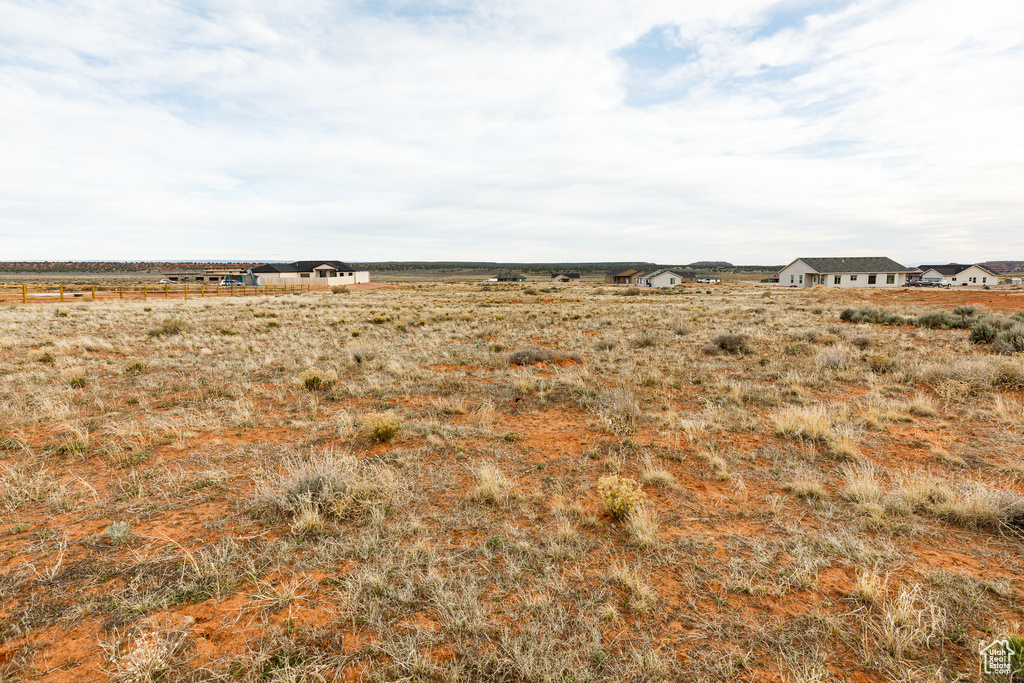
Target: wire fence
x: 41, y: 293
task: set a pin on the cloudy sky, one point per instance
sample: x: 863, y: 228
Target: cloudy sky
x: 527, y: 130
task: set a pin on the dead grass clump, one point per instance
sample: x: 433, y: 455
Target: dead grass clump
x: 145, y: 657
x: 922, y: 405
x: 382, y: 426
x: 492, y: 486
x: 168, y: 328
x: 813, y: 423
x: 619, y: 410
x: 806, y: 486
x: 621, y: 496
x: 74, y: 377
x: 642, y: 596
x: 831, y: 359
x: 730, y: 343
x: 642, y: 526
x: 340, y: 289
x: 646, y: 340
x: 978, y: 506
x: 656, y: 476
x: 329, y: 485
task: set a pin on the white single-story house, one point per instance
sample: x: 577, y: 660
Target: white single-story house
x: 663, y: 277
x: 314, y: 273
x: 849, y: 271
x: 960, y: 274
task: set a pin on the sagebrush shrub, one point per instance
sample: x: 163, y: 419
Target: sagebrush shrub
x: 529, y: 356
x: 620, y: 495
x: 983, y: 333
x: 340, y: 289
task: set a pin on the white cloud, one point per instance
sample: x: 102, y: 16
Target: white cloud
x: 507, y: 131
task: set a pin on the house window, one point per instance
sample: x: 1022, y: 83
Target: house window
x: 837, y: 279
x: 792, y: 279
x: 303, y: 274
x: 872, y: 279
x: 853, y: 278
x: 984, y: 279
x: 671, y: 280
x: 954, y: 279
x: 801, y: 279
x: 351, y: 274
x: 890, y: 279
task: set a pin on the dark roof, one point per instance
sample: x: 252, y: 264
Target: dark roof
x: 674, y: 271
x: 575, y: 276
x: 301, y: 267
x: 953, y: 268
x: 855, y: 264
x: 625, y: 271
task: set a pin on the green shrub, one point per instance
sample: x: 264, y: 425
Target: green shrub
x: 983, y: 333
x: 1010, y: 340
x: 317, y: 380
x: 966, y: 311
x: 943, y: 320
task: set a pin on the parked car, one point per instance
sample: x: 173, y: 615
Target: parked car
x: 165, y: 282
x: 709, y: 280
x: 943, y: 283
x: 231, y: 283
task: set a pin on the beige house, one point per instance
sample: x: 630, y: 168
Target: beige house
x: 313, y: 273
x: 849, y: 271
x: 960, y: 274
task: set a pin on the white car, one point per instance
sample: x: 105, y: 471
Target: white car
x: 165, y: 282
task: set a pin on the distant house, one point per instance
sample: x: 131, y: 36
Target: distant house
x: 207, y: 275
x: 849, y: 271
x: 960, y: 274
x: 314, y: 273
x: 663, y: 277
x: 507, y: 276
x: 622, y: 277
x: 709, y: 280
x: 565, y: 277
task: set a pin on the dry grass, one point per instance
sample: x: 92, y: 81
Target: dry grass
x: 439, y: 500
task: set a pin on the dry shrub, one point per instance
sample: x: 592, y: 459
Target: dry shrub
x: 641, y: 595
x: 529, y: 355
x: 730, y: 343
x: 831, y: 359
x: 169, y: 327
x: 73, y: 377
x: 382, y: 426
x: 340, y: 289
x: 863, y: 341
x: 619, y: 410
x: 334, y: 485
x: 654, y: 475
x: 881, y: 363
x: 318, y: 380
x: 922, y: 405
x: 621, y: 496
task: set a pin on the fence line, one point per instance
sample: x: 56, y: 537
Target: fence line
x: 32, y: 293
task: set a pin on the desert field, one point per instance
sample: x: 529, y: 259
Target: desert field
x: 468, y: 482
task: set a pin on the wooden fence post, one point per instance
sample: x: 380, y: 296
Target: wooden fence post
x: 186, y: 290
x: 202, y: 290
x: 145, y: 291
x: 94, y: 292
x: 120, y: 292
x: 24, y: 294
x: 62, y: 293
x: 165, y: 291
